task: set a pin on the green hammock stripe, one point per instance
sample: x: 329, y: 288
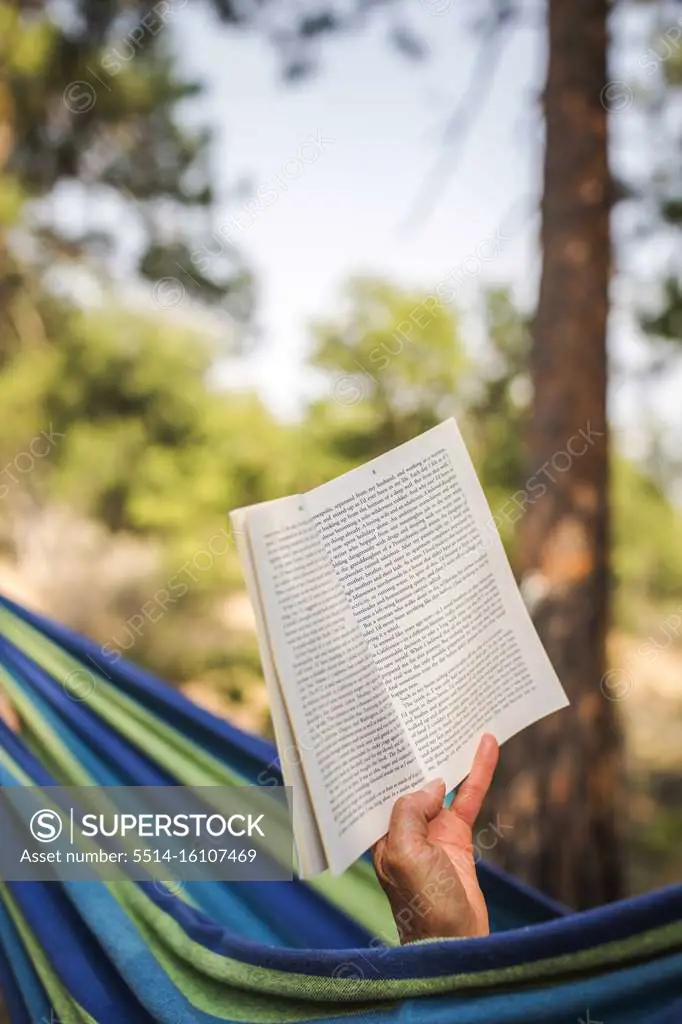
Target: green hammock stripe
x: 232, y: 990
x: 356, y: 892
x: 222, y: 986
x: 66, y: 1008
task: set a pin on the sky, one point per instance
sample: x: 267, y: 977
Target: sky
x: 347, y: 204
x: 344, y: 204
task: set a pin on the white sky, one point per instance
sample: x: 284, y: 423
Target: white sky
x: 346, y: 213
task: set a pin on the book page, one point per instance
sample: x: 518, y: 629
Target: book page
x: 411, y: 542
x: 356, y: 755
x: 309, y: 850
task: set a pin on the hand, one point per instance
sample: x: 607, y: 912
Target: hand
x: 8, y: 714
x: 425, y: 863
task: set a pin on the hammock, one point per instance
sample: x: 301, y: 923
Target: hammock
x: 271, y: 952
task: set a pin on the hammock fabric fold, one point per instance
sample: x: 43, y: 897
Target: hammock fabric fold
x: 265, y: 953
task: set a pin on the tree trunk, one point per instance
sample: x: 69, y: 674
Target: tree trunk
x: 562, y: 779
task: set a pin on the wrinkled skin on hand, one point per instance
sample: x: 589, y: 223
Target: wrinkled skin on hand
x: 425, y: 863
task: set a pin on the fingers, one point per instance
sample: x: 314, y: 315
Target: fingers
x: 412, y: 813
x: 472, y: 792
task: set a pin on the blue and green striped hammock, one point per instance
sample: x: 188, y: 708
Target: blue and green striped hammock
x: 133, y: 953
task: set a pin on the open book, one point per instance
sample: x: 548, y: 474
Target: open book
x: 392, y: 636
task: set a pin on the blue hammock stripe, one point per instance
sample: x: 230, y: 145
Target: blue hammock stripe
x: 270, y: 952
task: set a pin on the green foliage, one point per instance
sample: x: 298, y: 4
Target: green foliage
x: 647, y: 547
x: 395, y: 365
x: 24, y: 43
x: 145, y: 457
x: 148, y: 447
x: 146, y: 451
x: 498, y: 407
x: 391, y: 378
x: 90, y: 94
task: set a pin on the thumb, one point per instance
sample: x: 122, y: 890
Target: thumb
x: 412, y: 814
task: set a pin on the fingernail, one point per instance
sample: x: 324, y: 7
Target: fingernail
x: 435, y: 788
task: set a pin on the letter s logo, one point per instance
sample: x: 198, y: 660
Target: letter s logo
x: 46, y: 826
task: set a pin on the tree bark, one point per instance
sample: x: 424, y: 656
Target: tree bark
x: 562, y: 779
